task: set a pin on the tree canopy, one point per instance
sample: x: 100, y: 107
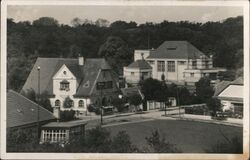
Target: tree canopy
x: 46, y: 37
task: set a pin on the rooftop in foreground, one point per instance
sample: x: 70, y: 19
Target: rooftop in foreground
x: 68, y: 124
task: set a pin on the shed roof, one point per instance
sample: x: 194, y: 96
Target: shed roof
x: 22, y: 111
x: 67, y: 124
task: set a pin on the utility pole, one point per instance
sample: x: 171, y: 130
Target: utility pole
x: 38, y: 100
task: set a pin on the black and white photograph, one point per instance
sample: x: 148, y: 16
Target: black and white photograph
x: 124, y: 79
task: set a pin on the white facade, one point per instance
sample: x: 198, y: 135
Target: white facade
x: 64, y: 75
x: 174, y: 74
x: 134, y: 75
x: 232, y: 98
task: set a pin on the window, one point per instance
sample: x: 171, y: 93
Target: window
x: 194, y: 64
x: 132, y: 73
x: 181, y: 62
x: 171, y: 66
x: 57, y: 103
x: 104, y: 85
x: 191, y: 74
x: 160, y: 66
x: 80, y: 103
x: 54, y: 135
x: 64, y: 85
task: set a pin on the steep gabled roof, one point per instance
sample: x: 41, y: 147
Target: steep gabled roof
x: 22, y: 111
x: 140, y: 64
x: 49, y: 67
x: 86, y: 74
x: 176, y: 50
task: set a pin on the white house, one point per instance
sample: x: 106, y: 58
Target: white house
x: 82, y: 81
x: 136, y: 71
x: 231, y: 95
x: 179, y: 62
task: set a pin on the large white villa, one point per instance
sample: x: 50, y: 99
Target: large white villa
x: 175, y: 61
x: 82, y: 81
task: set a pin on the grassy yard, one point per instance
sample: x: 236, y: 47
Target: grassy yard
x: 190, y: 137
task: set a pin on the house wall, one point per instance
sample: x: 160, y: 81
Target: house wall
x: 136, y: 76
x: 65, y: 74
x: 172, y: 76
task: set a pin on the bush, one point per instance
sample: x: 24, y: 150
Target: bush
x: 68, y: 103
x: 122, y: 144
x: 119, y: 104
x: 92, y: 108
x: 159, y: 145
x: 67, y: 115
x: 135, y: 99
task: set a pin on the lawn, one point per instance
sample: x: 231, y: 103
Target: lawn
x: 189, y: 136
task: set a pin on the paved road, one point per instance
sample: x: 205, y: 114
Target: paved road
x: 118, y: 119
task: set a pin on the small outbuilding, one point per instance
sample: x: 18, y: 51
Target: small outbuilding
x: 62, y: 132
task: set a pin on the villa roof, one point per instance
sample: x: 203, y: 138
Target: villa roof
x: 176, y: 50
x: 86, y: 74
x: 22, y: 111
x: 140, y: 64
x: 220, y: 87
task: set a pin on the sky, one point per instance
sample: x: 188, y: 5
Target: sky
x: 139, y: 14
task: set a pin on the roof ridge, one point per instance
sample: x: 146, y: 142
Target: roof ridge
x: 30, y: 101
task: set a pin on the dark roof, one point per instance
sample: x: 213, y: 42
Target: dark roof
x: 86, y: 74
x: 130, y: 91
x: 176, y: 50
x: 64, y: 124
x: 22, y: 111
x: 224, y: 84
x: 141, y: 64
x: 92, y: 73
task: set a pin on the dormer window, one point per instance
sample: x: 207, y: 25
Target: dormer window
x: 64, y: 85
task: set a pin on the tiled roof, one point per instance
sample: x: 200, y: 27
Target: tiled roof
x: 130, y: 91
x: 221, y: 86
x: 176, y: 50
x: 49, y: 67
x: 22, y: 111
x: 86, y: 74
x: 141, y: 64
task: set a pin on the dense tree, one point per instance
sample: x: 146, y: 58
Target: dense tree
x: 45, y: 21
x: 45, y: 37
x: 117, y: 53
x: 204, y: 90
x: 152, y: 88
x: 135, y: 99
x: 214, y: 105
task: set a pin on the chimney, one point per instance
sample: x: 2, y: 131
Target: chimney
x: 80, y: 60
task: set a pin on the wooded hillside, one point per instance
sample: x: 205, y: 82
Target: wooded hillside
x: 45, y: 37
